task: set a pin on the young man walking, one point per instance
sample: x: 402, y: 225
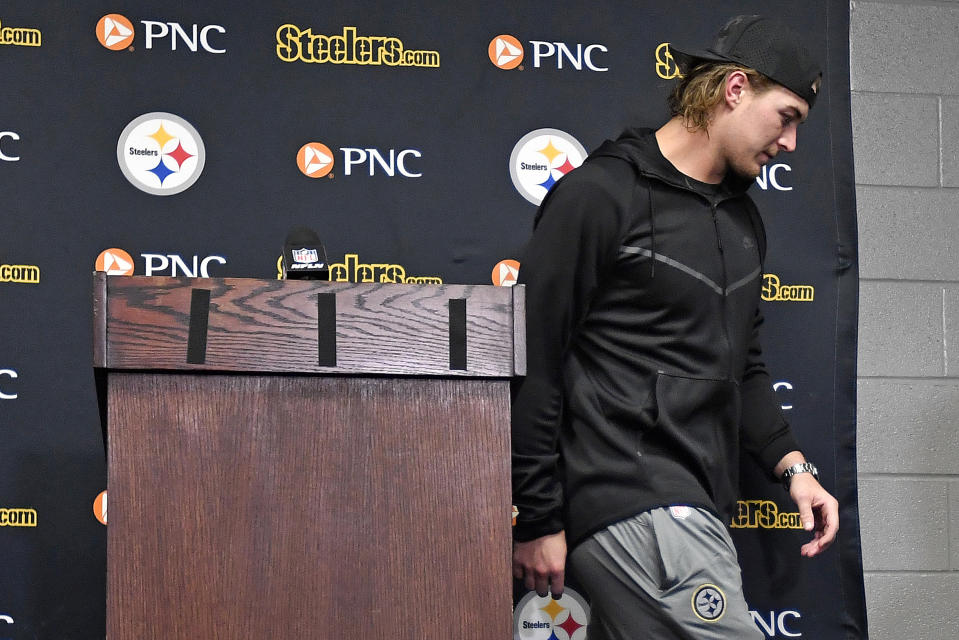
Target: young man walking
x: 645, y: 375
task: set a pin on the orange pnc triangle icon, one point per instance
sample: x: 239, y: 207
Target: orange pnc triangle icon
x: 505, y: 273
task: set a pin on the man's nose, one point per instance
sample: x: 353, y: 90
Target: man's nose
x: 787, y: 141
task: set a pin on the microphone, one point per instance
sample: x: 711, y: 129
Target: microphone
x: 304, y: 257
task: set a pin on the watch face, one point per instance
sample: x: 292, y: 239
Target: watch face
x: 802, y: 467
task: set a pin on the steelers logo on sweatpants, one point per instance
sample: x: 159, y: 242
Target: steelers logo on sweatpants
x: 709, y: 603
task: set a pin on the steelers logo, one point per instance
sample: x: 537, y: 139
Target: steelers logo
x: 161, y: 153
x: 536, y: 618
x: 709, y: 603
x: 540, y: 159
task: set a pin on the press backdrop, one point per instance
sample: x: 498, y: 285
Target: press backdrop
x: 176, y: 138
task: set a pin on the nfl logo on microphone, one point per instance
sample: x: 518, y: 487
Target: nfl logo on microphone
x: 305, y: 255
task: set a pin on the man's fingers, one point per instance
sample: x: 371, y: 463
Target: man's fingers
x: 829, y: 514
x: 818, y: 511
x: 806, y: 515
x: 811, y: 548
x: 542, y: 588
x: 556, y: 585
x: 540, y: 581
x: 535, y: 579
x: 542, y: 584
x: 549, y: 582
x: 529, y: 581
x: 541, y: 563
x: 823, y: 511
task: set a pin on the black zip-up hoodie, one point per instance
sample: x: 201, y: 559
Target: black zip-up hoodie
x: 645, y: 374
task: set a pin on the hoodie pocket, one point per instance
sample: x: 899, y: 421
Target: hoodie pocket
x: 696, y: 424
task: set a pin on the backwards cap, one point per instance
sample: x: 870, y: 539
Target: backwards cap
x: 763, y: 44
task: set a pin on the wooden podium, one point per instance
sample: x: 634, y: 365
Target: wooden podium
x: 300, y: 460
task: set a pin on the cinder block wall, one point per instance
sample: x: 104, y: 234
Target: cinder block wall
x: 905, y: 118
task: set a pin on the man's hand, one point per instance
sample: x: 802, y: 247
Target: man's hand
x: 541, y: 563
x: 818, y: 510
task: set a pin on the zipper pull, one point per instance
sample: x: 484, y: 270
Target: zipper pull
x: 719, y: 238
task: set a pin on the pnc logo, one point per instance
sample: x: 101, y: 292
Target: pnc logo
x: 4, y: 155
x: 161, y: 153
x: 115, y: 32
x: 115, y: 262
x: 542, y: 157
x: 774, y: 624
x: 783, y: 387
x: 8, y: 394
x: 100, y: 507
x: 506, y: 52
x: 315, y: 160
x: 768, y: 177
x: 173, y: 265
x: 537, y: 618
x: 666, y: 67
x: 505, y: 273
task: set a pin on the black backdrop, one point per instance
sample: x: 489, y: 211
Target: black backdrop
x: 450, y: 210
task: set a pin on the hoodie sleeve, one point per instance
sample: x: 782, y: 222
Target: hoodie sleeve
x: 765, y: 432
x: 575, y: 240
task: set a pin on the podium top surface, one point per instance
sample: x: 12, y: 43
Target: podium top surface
x: 307, y: 327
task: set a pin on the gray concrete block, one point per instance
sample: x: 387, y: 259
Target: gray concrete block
x: 904, y: 524
x: 896, y: 139
x: 954, y: 525
x: 923, y: 2
x: 912, y: 606
x: 908, y: 426
x: 950, y: 142
x: 900, y: 329
x: 904, y: 48
x: 908, y: 233
x: 950, y: 320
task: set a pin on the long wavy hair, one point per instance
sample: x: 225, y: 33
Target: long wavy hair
x: 700, y: 90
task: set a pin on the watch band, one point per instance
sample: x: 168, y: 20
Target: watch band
x: 802, y: 467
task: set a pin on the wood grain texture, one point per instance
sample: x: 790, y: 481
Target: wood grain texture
x: 308, y: 507
x: 519, y: 329
x: 271, y: 326
x: 99, y: 318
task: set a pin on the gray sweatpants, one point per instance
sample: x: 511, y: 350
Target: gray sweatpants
x: 665, y: 574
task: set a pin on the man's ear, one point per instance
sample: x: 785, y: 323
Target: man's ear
x: 736, y: 85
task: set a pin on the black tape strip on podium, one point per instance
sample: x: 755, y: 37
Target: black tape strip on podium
x: 199, y: 323
x: 458, y: 334
x: 326, y: 329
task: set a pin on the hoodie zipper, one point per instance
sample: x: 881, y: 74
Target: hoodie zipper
x: 713, y: 205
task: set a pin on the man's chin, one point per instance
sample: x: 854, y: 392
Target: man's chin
x: 747, y: 173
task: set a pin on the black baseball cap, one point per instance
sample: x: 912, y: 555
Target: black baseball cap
x: 763, y: 44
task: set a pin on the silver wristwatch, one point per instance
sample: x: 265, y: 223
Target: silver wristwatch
x: 802, y: 467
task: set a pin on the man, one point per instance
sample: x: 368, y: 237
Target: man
x: 645, y: 374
